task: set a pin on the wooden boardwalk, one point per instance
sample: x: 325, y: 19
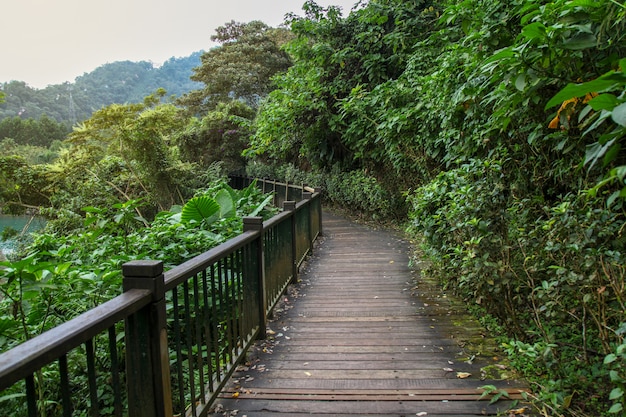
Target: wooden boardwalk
x: 361, y: 336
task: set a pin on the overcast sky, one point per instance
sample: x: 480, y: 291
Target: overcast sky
x: 52, y: 41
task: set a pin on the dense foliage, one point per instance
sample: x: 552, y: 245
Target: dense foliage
x: 117, y: 82
x: 503, y: 123
x: 241, y: 68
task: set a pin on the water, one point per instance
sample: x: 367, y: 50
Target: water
x: 18, y: 223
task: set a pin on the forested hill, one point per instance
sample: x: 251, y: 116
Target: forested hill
x: 117, y: 82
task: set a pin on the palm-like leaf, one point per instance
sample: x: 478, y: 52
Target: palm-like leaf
x: 200, y: 208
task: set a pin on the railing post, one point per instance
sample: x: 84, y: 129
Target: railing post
x: 256, y: 224
x: 291, y: 206
x: 147, y: 355
x: 318, y: 208
x: 307, y: 196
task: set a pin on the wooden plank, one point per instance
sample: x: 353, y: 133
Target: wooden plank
x: 361, y: 408
x: 244, y: 395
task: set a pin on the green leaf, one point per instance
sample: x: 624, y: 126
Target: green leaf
x: 616, y: 408
x: 581, y: 41
x: 610, y: 358
x: 520, y: 82
x: 603, y: 102
x: 200, y: 208
x: 616, y: 393
x: 579, y: 90
x: 612, y: 153
x: 11, y: 397
x: 534, y: 30
x: 227, y: 205
x: 619, y: 114
x: 261, y: 206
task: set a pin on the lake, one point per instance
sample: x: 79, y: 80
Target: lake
x: 18, y: 223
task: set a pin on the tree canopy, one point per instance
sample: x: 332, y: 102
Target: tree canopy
x: 241, y: 68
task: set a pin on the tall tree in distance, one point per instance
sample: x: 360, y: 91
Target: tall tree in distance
x: 241, y: 68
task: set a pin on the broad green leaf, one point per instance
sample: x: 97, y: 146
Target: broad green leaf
x: 610, y: 358
x: 503, y: 53
x: 199, y: 208
x: 227, y: 205
x: 616, y: 408
x: 580, y: 90
x: 603, y: 102
x: 520, y: 82
x: 534, y: 30
x: 612, y: 153
x: 581, y: 41
x: 619, y: 114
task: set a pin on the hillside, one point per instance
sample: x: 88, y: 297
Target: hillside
x: 117, y: 82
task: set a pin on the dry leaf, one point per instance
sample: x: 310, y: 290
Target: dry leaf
x: 463, y: 375
x: 307, y: 373
x: 235, y: 395
x: 517, y: 411
x: 422, y: 413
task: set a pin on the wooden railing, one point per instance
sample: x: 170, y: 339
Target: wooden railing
x: 167, y: 345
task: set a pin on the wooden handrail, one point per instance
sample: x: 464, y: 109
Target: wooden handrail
x: 30, y: 356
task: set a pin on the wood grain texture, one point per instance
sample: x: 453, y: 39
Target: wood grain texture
x: 363, y: 334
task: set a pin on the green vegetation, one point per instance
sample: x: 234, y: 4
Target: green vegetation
x: 494, y: 129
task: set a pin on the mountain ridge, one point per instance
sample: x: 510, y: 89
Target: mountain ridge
x: 116, y: 82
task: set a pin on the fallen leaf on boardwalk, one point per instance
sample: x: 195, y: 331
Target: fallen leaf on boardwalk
x: 423, y: 413
x: 463, y: 375
x: 307, y: 373
x: 391, y: 262
x: 235, y: 395
x: 517, y: 411
x: 448, y: 369
x: 270, y: 332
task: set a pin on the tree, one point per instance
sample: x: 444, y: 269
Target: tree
x: 334, y: 58
x: 241, y: 68
x: 221, y: 136
x: 127, y: 151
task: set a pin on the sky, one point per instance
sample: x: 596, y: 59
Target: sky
x: 53, y: 41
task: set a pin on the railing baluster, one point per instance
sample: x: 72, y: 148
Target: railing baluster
x: 234, y: 319
x: 91, y: 376
x: 31, y: 396
x: 215, y: 327
x: 115, y: 373
x: 208, y: 325
x: 179, y: 353
x: 65, y: 387
x: 223, y: 310
x: 189, y: 347
x: 199, y: 344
